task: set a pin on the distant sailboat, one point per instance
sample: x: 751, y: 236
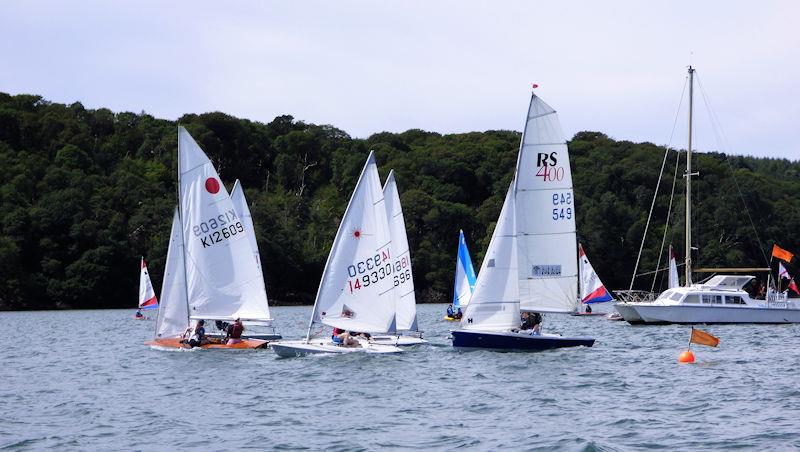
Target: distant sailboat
x: 465, y: 278
x: 147, y: 296
x: 215, y: 269
x: 528, y: 265
x: 357, y: 290
x: 592, y: 289
x: 673, y: 270
x: 403, y: 278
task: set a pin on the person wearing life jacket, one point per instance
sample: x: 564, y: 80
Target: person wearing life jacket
x: 139, y: 314
x: 234, y: 332
x: 588, y: 309
x: 450, y: 312
x: 198, y: 336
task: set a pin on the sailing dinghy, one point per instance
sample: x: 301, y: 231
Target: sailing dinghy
x: 147, y: 296
x: 407, y: 332
x: 592, y: 289
x: 530, y: 264
x: 356, y: 292
x: 209, y: 256
x: 465, y: 278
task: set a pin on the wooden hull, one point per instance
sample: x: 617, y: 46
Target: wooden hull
x: 246, y: 344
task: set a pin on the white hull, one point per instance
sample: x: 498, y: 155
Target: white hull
x: 651, y: 313
x: 291, y: 349
x: 627, y: 311
x: 398, y: 341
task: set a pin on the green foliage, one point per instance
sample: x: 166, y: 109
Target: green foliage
x: 86, y: 192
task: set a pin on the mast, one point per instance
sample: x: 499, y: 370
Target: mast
x: 688, y: 260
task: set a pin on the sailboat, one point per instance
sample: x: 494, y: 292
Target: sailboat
x: 721, y: 299
x: 147, y: 296
x: 592, y: 289
x: 210, y: 256
x: 407, y: 332
x: 530, y: 264
x: 465, y: 278
x: 357, y: 291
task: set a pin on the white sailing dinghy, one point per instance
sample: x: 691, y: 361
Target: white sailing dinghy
x: 465, y: 278
x: 221, y: 280
x: 147, y: 296
x: 530, y: 264
x: 592, y: 289
x: 356, y: 292
x: 407, y: 332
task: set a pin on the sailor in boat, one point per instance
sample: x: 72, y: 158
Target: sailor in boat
x: 450, y: 312
x: 233, y: 333
x: 531, y: 323
x: 198, y: 336
x: 588, y: 309
x: 138, y: 314
x: 459, y: 314
x: 343, y: 338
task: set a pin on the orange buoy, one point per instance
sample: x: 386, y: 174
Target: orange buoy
x: 686, y: 357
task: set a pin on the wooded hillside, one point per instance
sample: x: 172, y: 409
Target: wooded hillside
x: 86, y: 192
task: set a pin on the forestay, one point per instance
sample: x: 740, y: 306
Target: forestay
x: 402, y: 277
x: 465, y: 275
x: 220, y: 272
x: 545, y: 215
x: 356, y: 292
x: 495, y: 303
x: 173, y: 313
x: 258, y: 305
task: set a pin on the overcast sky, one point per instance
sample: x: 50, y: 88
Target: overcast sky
x: 447, y: 66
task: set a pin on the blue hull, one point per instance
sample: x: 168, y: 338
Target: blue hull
x: 515, y: 341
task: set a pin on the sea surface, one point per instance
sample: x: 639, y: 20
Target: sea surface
x: 83, y: 380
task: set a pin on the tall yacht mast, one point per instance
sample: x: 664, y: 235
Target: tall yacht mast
x: 689, y: 185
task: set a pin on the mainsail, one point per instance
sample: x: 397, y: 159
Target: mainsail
x: 257, y: 307
x: 592, y: 289
x: 173, y: 313
x: 356, y: 292
x: 465, y: 275
x: 495, y: 303
x: 402, y: 277
x: 147, y: 296
x: 545, y: 215
x: 220, y: 272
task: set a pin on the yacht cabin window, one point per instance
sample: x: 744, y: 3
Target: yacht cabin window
x: 734, y: 299
x: 665, y: 295
x: 712, y: 299
x: 676, y: 296
x: 692, y: 298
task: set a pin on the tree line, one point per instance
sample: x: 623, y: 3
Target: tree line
x: 88, y: 191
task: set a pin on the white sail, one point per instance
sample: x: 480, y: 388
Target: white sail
x: 259, y: 304
x: 356, y: 292
x: 494, y: 305
x: 545, y: 215
x: 220, y: 273
x: 401, y: 258
x: 147, y: 296
x: 173, y: 312
x: 673, y: 270
x: 592, y: 289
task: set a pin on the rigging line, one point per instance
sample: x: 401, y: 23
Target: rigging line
x: 658, y: 184
x: 669, y: 213
x: 722, y: 141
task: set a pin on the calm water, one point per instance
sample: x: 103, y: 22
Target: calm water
x: 83, y: 380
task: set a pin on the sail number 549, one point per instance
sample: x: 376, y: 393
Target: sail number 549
x: 562, y: 209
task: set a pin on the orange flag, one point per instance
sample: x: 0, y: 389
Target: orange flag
x: 781, y: 253
x: 703, y: 338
